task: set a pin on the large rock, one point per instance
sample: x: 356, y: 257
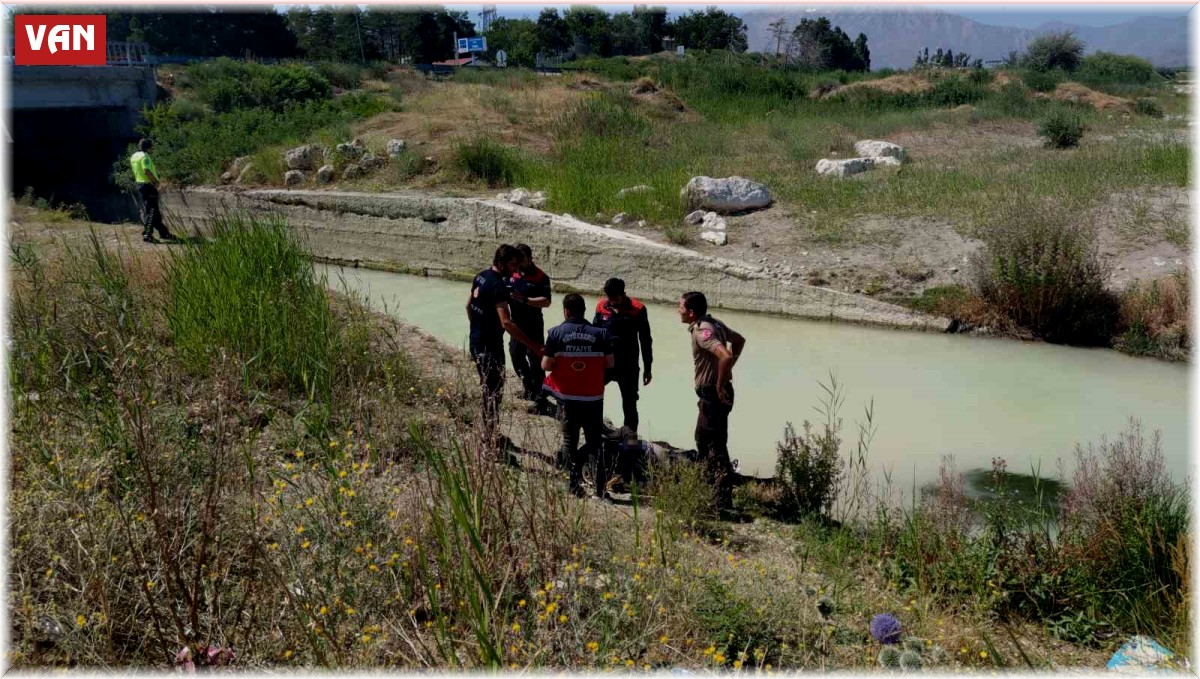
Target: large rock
x: 714, y: 237
x: 293, y: 177
x: 325, y: 174
x: 302, y: 157
x: 871, y: 148
x: 350, y: 150
x: 731, y: 194
x: 395, y: 147
x: 535, y: 200
x: 844, y: 167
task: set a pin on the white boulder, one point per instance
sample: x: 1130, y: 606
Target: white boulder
x: 873, y: 148
x: 395, y: 147
x: 714, y: 237
x: 726, y: 195
x: 844, y: 167
x: 713, y: 222
x: 535, y: 200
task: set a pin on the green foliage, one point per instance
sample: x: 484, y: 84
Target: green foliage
x: 825, y: 47
x: 227, y: 85
x: 1042, y: 81
x: 1061, y: 129
x: 808, y: 467
x: 955, y: 91
x: 683, y: 492
x: 482, y: 159
x: 1047, y: 52
x: 251, y: 290
x: 712, y: 29
x: 1105, y: 67
x: 197, y: 151
x: 1149, y: 107
x: 1043, y: 272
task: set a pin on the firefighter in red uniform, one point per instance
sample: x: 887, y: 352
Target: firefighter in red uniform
x: 577, y: 354
x: 628, y: 322
x: 715, y: 349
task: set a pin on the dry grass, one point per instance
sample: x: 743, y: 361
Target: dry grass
x: 895, y: 84
x: 1082, y: 94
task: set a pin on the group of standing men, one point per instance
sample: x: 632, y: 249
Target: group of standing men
x: 578, y: 358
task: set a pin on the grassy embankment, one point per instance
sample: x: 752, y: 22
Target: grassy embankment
x: 211, y: 453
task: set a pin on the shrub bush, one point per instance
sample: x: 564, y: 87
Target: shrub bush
x: 955, y: 91
x: 1054, y: 50
x: 981, y: 76
x: 226, y: 85
x: 1042, y: 81
x: 1154, y: 319
x: 1149, y: 107
x: 1044, y: 273
x: 1106, y: 67
x: 1061, y: 129
x: 683, y: 492
x: 482, y: 159
x: 808, y: 469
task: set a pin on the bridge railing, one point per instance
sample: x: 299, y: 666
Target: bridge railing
x: 127, y: 53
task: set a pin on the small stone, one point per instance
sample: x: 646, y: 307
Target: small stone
x: 293, y: 177
x: 620, y: 218
x: 599, y: 217
x: 227, y: 177
x: 1159, y: 261
x: 713, y: 222
x: 395, y: 147
x: 954, y: 269
x: 325, y: 174
x: 352, y: 170
x: 714, y: 237
x: 694, y: 218
x: 641, y: 224
x: 640, y: 188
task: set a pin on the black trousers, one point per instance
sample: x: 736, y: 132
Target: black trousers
x: 490, y: 365
x: 629, y: 380
x: 528, y: 365
x: 712, y: 439
x: 588, y: 416
x: 152, y: 214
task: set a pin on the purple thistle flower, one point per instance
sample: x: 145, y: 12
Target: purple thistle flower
x: 885, y: 628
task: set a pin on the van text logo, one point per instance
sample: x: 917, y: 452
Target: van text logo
x: 59, y: 39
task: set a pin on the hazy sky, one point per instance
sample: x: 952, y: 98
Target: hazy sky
x: 1025, y: 16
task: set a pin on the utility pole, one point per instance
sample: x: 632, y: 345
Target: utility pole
x: 362, y: 53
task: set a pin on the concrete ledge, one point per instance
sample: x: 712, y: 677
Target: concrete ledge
x: 413, y: 232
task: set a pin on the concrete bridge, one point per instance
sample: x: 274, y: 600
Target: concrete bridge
x: 70, y: 124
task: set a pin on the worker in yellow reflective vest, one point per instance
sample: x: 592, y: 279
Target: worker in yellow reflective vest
x: 147, y: 184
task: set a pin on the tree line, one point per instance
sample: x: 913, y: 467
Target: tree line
x: 421, y: 35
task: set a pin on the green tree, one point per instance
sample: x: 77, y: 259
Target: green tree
x: 591, y: 30
x: 625, y: 35
x: 861, y: 52
x: 821, y: 46
x: 1054, y: 50
x: 517, y: 37
x: 651, y: 27
x: 553, y: 36
x: 713, y: 29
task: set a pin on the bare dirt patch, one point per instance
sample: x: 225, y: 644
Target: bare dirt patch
x: 1144, y: 235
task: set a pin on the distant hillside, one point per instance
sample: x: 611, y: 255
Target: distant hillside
x: 896, y: 35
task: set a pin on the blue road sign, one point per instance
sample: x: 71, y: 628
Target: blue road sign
x: 472, y: 44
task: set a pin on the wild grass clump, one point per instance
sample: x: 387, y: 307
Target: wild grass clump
x: 484, y: 160
x: 682, y: 491
x: 1042, y: 271
x: 251, y: 291
x: 1105, y: 70
x: 1042, y: 81
x: 1155, y: 319
x: 1061, y: 129
x: 1148, y: 107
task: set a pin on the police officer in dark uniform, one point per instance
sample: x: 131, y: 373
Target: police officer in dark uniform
x: 715, y: 349
x: 628, y: 322
x: 488, y: 312
x: 576, y: 356
x: 529, y: 292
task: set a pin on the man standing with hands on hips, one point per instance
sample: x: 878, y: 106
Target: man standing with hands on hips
x: 715, y: 349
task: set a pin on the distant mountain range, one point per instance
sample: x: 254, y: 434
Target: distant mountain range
x: 895, y: 35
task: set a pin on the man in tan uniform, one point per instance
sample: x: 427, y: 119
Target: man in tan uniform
x: 715, y: 349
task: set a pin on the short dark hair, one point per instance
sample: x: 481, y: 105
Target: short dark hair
x: 505, y: 254
x: 144, y: 144
x: 525, y: 250
x: 696, y: 303
x: 614, y: 286
x: 574, y: 305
